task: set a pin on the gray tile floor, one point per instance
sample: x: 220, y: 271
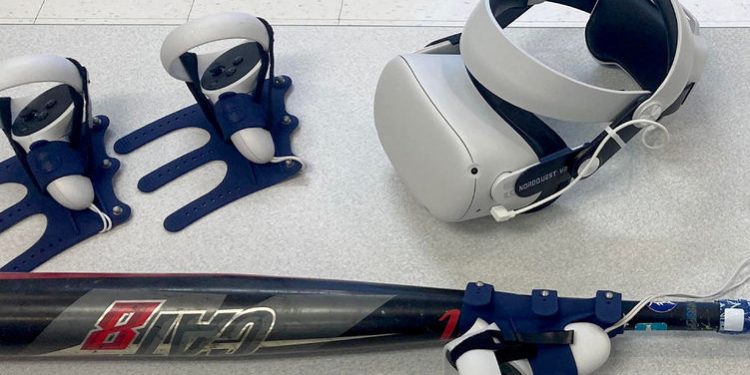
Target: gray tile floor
x: 714, y: 13
x: 651, y: 221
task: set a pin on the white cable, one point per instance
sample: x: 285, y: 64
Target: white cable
x: 648, y: 131
x: 282, y: 159
x: 728, y: 287
x: 652, y: 125
x: 615, y: 136
x: 106, y: 221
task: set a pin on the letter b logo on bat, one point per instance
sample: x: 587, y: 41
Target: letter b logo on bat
x: 117, y: 328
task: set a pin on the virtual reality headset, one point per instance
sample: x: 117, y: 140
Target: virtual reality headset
x: 460, y: 121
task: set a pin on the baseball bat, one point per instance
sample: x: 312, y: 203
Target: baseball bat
x: 91, y: 315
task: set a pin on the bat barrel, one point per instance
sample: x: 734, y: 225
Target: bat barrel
x: 214, y: 315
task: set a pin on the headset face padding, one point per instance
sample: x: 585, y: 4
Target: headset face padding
x: 638, y: 35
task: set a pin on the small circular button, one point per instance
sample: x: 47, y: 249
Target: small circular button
x: 217, y: 71
x: 50, y: 104
x: 230, y: 72
x: 28, y: 115
x: 238, y: 60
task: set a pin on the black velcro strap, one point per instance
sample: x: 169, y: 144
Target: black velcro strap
x: 546, y: 338
x: 80, y: 135
x: 491, y: 340
x: 268, y: 64
x: 6, y: 120
x: 189, y: 61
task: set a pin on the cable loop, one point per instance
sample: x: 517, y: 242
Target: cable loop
x: 106, y: 221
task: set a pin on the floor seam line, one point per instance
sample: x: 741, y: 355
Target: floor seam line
x: 341, y: 12
x: 190, y: 12
x: 39, y: 11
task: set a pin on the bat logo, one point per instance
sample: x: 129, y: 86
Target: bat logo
x: 662, y: 307
x: 119, y: 325
x: 145, y: 328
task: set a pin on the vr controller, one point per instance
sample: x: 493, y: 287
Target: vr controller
x: 228, y: 79
x: 42, y: 124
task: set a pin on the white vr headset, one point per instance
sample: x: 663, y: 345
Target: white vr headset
x: 459, y: 120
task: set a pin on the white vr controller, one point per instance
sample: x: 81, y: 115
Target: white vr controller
x: 232, y: 70
x: 590, y: 348
x: 47, y: 117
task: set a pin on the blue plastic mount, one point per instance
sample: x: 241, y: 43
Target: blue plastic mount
x: 542, y: 312
x: 242, y: 177
x: 65, y: 228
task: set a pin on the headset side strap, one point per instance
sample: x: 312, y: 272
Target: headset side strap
x: 555, y: 170
x: 612, y: 147
x: 505, y: 18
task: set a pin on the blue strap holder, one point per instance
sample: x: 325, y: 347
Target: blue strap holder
x: 542, y: 312
x: 49, y: 161
x: 65, y: 228
x: 235, y: 112
x: 242, y: 177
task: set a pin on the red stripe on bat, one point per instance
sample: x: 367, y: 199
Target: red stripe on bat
x: 47, y: 276
x: 452, y: 317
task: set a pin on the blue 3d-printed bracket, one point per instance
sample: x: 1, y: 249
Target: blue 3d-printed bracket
x: 65, y: 228
x: 541, y: 313
x: 242, y: 177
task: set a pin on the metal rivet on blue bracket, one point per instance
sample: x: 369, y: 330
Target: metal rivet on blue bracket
x: 65, y: 228
x: 544, y: 302
x: 242, y: 177
x: 608, y: 307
